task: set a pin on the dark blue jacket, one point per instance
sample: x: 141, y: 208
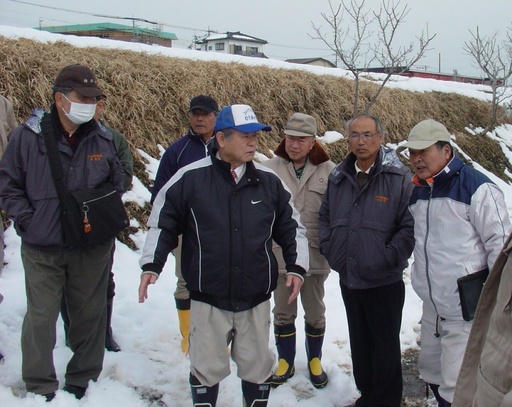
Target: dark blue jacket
x: 184, y: 151
x: 367, y: 234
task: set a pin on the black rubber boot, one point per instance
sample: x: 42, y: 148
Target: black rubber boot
x: 441, y: 402
x: 77, y: 391
x: 255, y: 395
x: 203, y: 396
x: 110, y: 344
x: 314, y: 342
x: 286, y: 346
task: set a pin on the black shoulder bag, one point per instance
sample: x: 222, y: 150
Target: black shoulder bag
x: 88, y: 216
x: 470, y: 287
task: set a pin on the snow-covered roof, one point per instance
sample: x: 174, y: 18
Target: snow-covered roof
x: 229, y: 35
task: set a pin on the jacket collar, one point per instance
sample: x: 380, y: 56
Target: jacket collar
x: 251, y: 174
x: 198, y: 138
x: 387, y: 161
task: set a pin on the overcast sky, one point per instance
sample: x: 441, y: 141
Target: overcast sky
x: 285, y: 24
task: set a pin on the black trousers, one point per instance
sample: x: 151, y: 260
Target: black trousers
x: 374, y: 318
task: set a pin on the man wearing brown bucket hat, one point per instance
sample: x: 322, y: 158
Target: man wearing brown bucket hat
x: 304, y: 166
x: 55, y: 264
x: 461, y: 224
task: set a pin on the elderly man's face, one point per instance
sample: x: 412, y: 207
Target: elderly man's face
x: 298, y: 148
x: 238, y: 147
x: 364, y: 140
x: 64, y: 101
x: 430, y: 161
x: 202, y: 122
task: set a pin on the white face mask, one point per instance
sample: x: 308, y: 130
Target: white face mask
x: 80, y: 112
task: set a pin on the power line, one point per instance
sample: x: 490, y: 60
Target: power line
x: 84, y: 12
x: 154, y: 23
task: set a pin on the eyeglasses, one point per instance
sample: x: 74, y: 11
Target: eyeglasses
x: 363, y: 136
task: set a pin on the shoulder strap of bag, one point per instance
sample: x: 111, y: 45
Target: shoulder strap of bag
x: 71, y: 234
x: 53, y: 157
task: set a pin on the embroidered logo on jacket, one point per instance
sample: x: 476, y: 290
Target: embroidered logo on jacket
x: 381, y: 198
x: 95, y: 157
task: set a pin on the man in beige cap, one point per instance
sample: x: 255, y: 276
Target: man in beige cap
x: 304, y: 166
x: 54, y: 266
x: 461, y: 224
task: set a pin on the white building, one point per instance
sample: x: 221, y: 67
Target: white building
x: 232, y: 43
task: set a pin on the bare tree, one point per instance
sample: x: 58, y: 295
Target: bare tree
x: 358, y: 35
x: 494, y: 58
x: 350, y: 38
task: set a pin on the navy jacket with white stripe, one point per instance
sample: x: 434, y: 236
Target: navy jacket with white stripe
x: 227, y: 229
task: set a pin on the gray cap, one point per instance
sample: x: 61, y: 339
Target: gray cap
x: 301, y: 125
x: 425, y: 134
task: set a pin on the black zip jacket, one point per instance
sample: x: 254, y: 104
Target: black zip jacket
x: 227, y: 229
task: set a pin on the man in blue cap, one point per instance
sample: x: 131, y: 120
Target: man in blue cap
x: 229, y: 209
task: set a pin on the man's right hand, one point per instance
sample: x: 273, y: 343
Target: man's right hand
x: 145, y: 281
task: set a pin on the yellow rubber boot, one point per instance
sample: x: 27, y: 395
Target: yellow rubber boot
x: 184, y: 320
x: 314, y: 341
x: 285, y: 343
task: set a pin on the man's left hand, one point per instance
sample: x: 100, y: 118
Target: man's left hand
x: 296, y: 283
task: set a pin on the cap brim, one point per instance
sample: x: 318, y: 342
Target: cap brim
x: 298, y: 133
x: 248, y: 128
x: 89, y: 92
x: 416, y: 145
x: 252, y: 127
x: 204, y: 108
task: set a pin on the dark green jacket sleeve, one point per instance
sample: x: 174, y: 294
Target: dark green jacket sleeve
x: 125, y: 156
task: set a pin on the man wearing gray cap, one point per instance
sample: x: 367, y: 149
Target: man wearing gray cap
x: 304, y: 166
x: 55, y: 263
x: 461, y: 224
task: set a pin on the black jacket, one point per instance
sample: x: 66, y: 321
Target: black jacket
x: 227, y: 229
x: 367, y: 234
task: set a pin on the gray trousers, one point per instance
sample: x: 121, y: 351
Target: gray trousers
x: 312, y: 298
x: 212, y: 330
x: 81, y: 275
x: 181, y: 292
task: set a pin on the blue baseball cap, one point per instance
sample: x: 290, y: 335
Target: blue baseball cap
x: 241, y: 118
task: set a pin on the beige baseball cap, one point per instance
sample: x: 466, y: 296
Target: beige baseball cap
x: 301, y: 125
x: 425, y: 134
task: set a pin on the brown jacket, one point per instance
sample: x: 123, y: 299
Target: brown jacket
x: 307, y: 196
x: 7, y: 122
x: 485, y: 378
